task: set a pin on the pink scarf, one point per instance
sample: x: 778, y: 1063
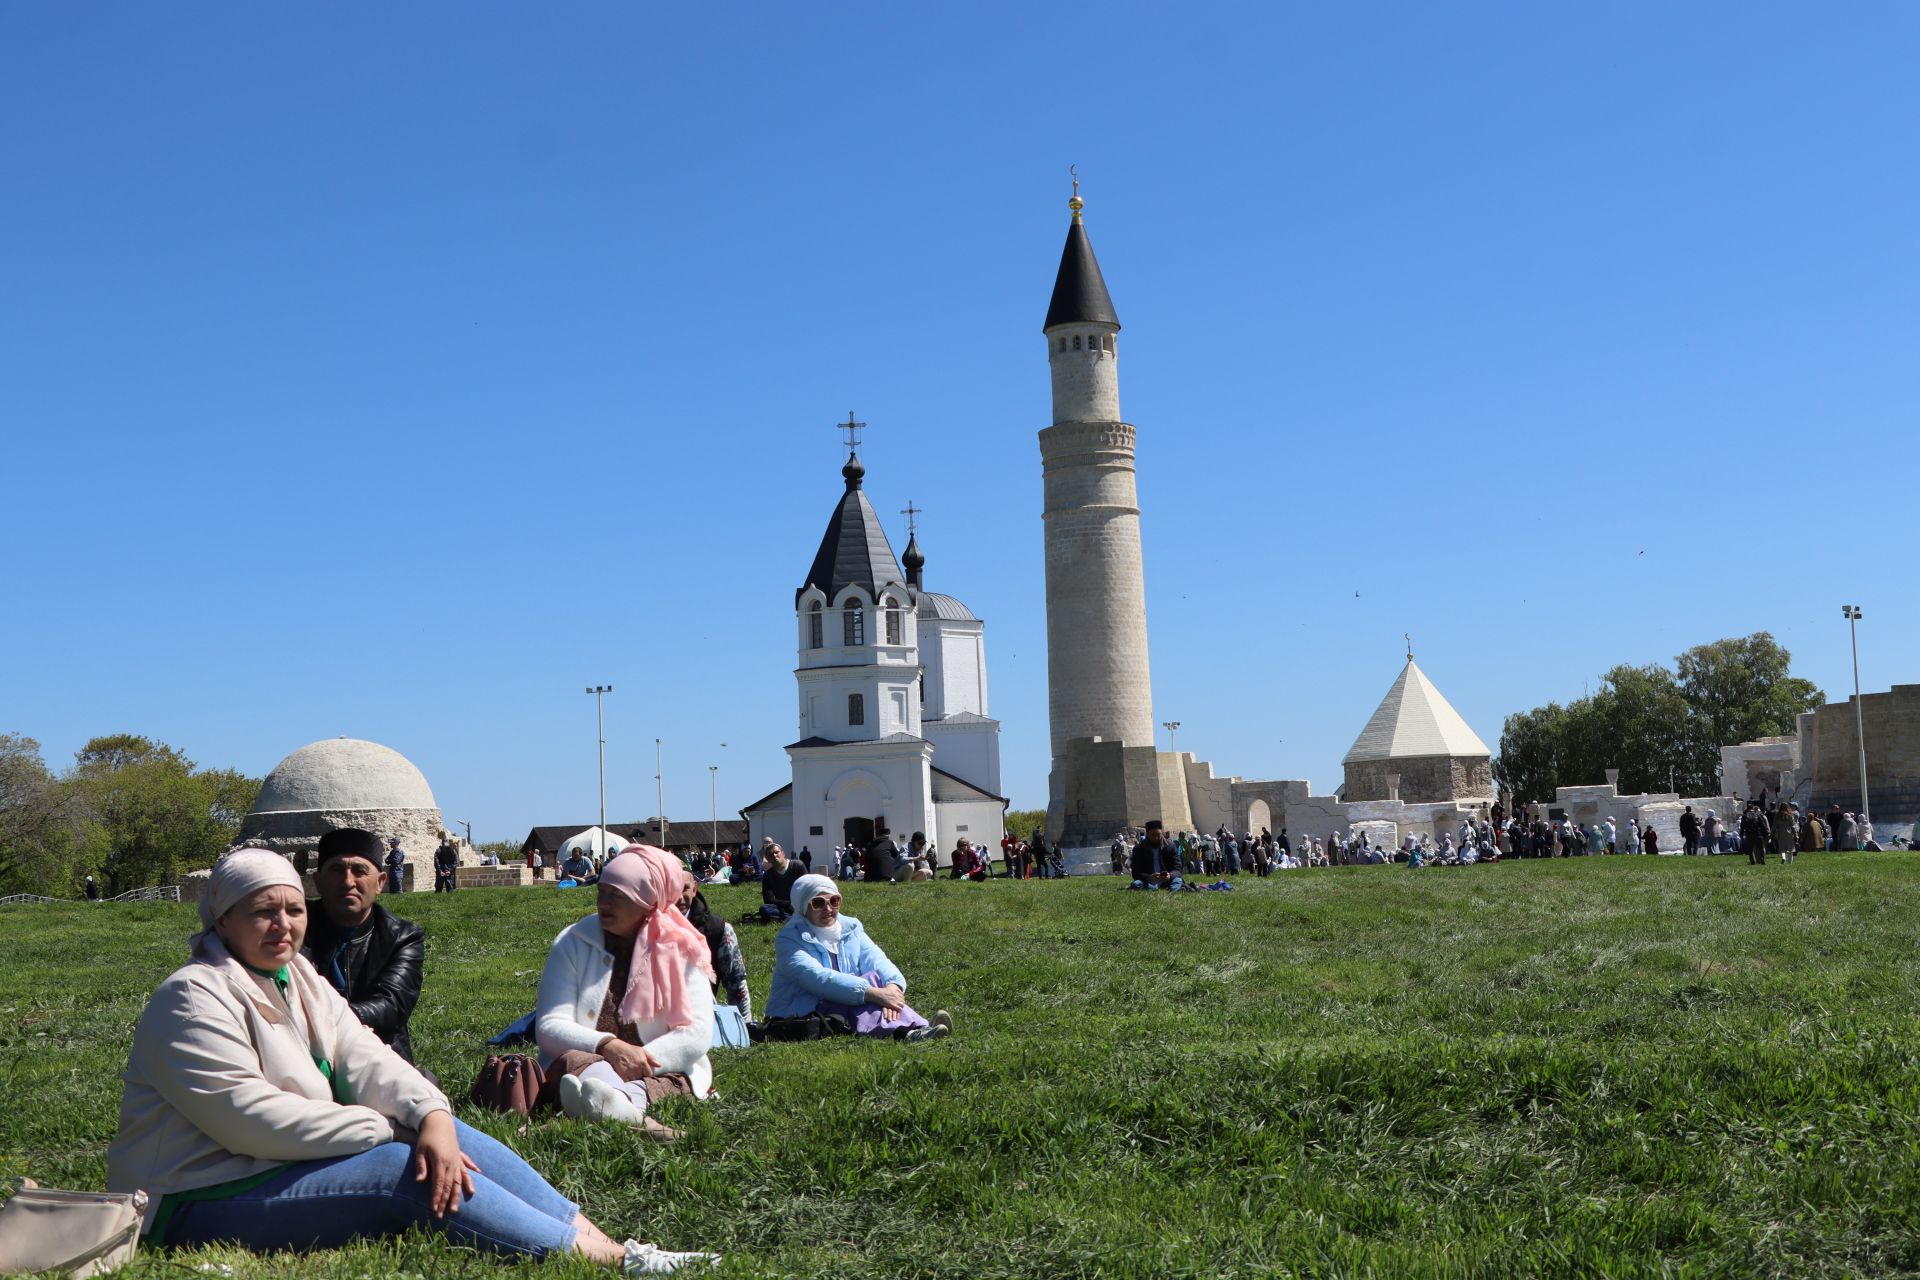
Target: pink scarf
x: 657, y: 978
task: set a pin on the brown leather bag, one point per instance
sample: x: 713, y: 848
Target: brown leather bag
x: 508, y: 1082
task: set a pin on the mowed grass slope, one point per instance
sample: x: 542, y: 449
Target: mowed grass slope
x: 1575, y: 1068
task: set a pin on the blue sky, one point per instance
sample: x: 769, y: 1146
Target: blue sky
x: 399, y: 371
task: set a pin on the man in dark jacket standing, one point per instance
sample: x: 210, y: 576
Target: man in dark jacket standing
x: 371, y: 956
x: 446, y: 864
x: 1755, y: 834
x: 1689, y: 833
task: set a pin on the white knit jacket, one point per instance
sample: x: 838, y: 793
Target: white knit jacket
x: 573, y: 987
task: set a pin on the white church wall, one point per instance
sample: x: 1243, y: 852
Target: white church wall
x: 933, y: 682
x: 776, y: 824
x: 962, y: 665
x: 969, y: 750
x: 982, y: 821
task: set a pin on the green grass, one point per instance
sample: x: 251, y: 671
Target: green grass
x: 1618, y: 1067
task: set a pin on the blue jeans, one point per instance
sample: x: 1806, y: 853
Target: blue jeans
x: 322, y: 1204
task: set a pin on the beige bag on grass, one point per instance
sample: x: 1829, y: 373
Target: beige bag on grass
x: 83, y: 1232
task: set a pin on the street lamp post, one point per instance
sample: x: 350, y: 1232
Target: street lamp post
x: 713, y: 779
x: 660, y: 793
x: 1172, y: 727
x: 599, y: 692
x: 1853, y: 615
x: 469, y: 826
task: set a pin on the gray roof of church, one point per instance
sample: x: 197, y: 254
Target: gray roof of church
x: 817, y: 741
x: 1079, y: 290
x: 935, y: 605
x: 854, y: 551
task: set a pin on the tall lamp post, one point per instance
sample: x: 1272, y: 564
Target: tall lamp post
x: 1172, y: 727
x: 1852, y: 614
x: 660, y: 793
x: 713, y: 779
x: 599, y: 692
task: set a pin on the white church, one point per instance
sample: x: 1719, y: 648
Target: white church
x: 891, y: 682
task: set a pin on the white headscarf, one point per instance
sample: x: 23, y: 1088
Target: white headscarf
x: 239, y: 874
x: 805, y: 890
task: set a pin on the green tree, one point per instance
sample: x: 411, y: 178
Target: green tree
x: 1662, y: 729
x: 1738, y: 690
x: 151, y: 815
x: 1529, y: 764
x: 38, y: 851
x: 1645, y: 729
x: 1023, y: 823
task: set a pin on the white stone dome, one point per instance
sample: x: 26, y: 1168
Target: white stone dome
x: 339, y: 774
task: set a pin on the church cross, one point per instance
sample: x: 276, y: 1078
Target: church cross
x: 910, y: 511
x: 853, y: 430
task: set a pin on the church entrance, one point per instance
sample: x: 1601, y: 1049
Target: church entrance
x: 859, y: 832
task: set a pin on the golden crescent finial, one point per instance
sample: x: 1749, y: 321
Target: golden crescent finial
x: 1076, y: 203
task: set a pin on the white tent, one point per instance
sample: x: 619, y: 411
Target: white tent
x: 595, y: 843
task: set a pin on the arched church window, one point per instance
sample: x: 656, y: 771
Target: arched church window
x: 856, y: 709
x: 816, y: 628
x: 853, y: 624
x: 1076, y: 342
x: 893, y: 621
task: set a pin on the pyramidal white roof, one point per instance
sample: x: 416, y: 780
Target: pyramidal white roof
x: 1414, y: 720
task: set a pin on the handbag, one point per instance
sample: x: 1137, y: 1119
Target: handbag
x: 81, y: 1232
x: 729, y: 1028
x: 508, y: 1082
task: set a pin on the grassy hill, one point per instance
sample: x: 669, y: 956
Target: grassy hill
x: 1577, y: 1068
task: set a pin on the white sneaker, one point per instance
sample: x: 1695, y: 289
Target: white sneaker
x: 572, y: 1105
x: 647, y: 1260
x: 601, y: 1101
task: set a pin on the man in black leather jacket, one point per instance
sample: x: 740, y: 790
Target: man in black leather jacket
x: 371, y: 956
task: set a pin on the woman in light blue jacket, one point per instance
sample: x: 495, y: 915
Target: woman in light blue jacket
x: 824, y: 962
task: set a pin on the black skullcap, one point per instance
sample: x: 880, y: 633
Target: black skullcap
x: 350, y: 842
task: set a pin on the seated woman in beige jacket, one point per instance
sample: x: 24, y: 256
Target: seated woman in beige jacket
x: 625, y: 1013
x: 259, y: 1110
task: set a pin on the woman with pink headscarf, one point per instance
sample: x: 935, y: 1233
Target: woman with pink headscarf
x: 625, y: 1012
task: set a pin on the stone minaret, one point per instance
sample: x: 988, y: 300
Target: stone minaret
x: 1097, y: 680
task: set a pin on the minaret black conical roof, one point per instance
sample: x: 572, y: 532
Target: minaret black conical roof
x: 854, y: 550
x: 1079, y: 291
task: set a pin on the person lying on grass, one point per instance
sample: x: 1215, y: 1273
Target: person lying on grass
x: 259, y: 1110
x: 625, y: 1012
x: 824, y: 963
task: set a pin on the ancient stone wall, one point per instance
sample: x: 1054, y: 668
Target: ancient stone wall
x: 1830, y: 755
x: 1423, y: 779
x: 299, y: 833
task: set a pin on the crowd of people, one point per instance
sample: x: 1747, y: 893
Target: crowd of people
x: 1160, y: 860
x: 270, y: 1096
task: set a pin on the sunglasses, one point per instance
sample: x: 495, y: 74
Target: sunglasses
x: 824, y: 900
